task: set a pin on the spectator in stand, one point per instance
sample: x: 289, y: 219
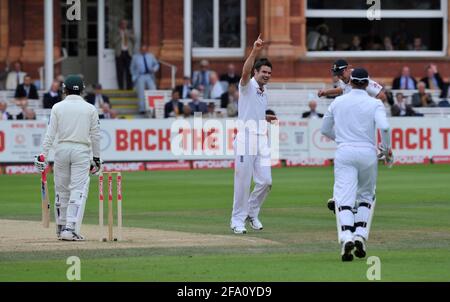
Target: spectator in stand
x: 400, y: 108
x: 97, y: 98
x: 421, y: 98
x: 185, y: 89
x: 405, y: 81
x: 211, y: 113
x: 173, y: 108
x: 231, y: 76
x: 417, y: 45
x: 372, y: 41
x: 387, y: 43
x: 401, y: 37
x: 143, y: 68
x: 200, y: 78
x: 27, y: 89
x: 15, y: 77
x: 53, y: 96
x: 356, y: 43
x: 433, y: 79
x: 108, y: 113
x: 187, y: 112
x: 4, y: 115
x: 331, y: 44
x: 230, y: 96
x: 196, y: 104
x: 26, y: 114
x: 318, y: 39
x: 215, y: 86
x: 312, y: 113
x: 124, y: 47
x: 60, y: 78
x: 3, y: 76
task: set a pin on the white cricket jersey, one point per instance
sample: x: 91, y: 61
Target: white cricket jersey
x: 355, y: 117
x: 373, y: 89
x: 252, y: 105
x: 76, y: 121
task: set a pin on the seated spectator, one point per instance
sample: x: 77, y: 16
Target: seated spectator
x: 231, y: 96
x: 15, y: 77
x: 372, y: 41
x: 27, y: 89
x: 400, y: 108
x: 173, y: 108
x: 108, y: 113
x: 187, y: 112
x: 98, y: 98
x: 200, y: 78
x: 22, y: 102
x: 53, y: 96
x: 196, y: 105
x: 312, y: 113
x: 387, y: 43
x: 3, y: 76
x: 231, y: 76
x: 421, y: 98
x: 185, y: 89
x: 26, y: 114
x: 215, y: 86
x: 405, y: 80
x: 417, y: 45
x: 4, y: 115
x: 211, y: 113
x: 331, y: 44
x: 433, y: 79
x: 356, y: 43
x: 318, y: 38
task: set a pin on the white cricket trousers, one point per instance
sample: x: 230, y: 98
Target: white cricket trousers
x: 71, y: 173
x: 355, y: 176
x: 254, y: 164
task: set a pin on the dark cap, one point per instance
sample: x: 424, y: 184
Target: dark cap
x: 359, y: 76
x: 339, y: 66
x: 74, y: 83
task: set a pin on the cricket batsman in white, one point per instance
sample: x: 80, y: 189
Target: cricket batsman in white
x: 351, y: 121
x: 252, y: 153
x: 342, y: 70
x: 74, y: 123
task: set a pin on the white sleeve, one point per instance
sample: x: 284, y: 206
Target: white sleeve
x: 373, y: 89
x: 50, y: 135
x: 328, y: 124
x: 95, y: 134
x: 383, y: 124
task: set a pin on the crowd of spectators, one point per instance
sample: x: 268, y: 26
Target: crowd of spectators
x: 319, y: 39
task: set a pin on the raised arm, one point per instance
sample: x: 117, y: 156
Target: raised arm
x: 248, y: 65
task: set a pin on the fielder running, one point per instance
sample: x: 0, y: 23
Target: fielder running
x: 251, y: 146
x: 351, y: 121
x: 342, y: 70
x: 74, y: 123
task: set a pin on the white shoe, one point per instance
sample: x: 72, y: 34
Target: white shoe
x: 255, y: 223
x: 70, y: 235
x: 239, y: 230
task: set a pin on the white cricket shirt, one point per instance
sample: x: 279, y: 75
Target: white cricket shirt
x: 73, y: 120
x: 252, y: 106
x: 355, y: 117
x: 373, y: 89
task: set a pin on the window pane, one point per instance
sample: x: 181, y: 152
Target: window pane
x: 230, y: 23
x: 92, y: 13
x: 362, y: 4
x: 362, y: 34
x: 72, y: 49
x: 92, y: 48
x: 73, y: 31
x: 92, y: 31
x: 202, y: 23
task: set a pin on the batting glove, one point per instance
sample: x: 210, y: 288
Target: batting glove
x: 387, y: 155
x: 40, y: 162
x: 96, y: 166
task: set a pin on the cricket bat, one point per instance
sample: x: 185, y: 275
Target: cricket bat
x: 44, y: 198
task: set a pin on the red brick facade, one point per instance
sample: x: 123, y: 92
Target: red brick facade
x: 281, y: 22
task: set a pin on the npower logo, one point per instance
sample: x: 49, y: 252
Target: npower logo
x: 2, y: 141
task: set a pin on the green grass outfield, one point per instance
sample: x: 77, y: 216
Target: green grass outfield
x: 411, y: 229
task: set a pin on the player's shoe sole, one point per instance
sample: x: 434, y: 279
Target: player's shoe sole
x: 237, y: 230
x: 348, y: 248
x: 360, y: 248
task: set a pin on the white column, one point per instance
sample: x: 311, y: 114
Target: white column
x: 101, y: 39
x: 137, y: 23
x: 187, y: 37
x: 48, y: 25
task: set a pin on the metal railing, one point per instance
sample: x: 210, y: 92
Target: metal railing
x: 41, y: 69
x: 173, y: 71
